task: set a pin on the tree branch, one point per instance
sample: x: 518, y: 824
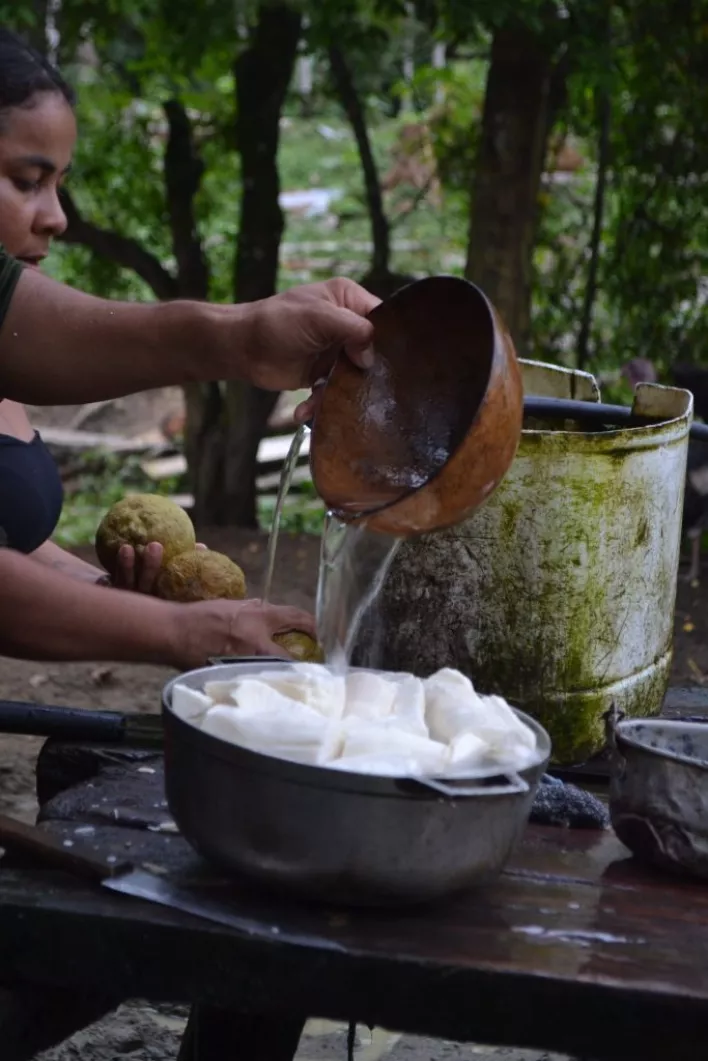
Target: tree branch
x: 183, y: 173
x: 354, y: 110
x: 591, y: 284
x: 122, y: 250
x: 417, y: 200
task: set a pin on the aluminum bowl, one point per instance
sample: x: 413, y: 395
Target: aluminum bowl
x: 334, y: 836
x: 659, y: 791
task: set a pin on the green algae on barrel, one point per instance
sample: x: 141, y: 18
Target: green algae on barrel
x: 559, y: 593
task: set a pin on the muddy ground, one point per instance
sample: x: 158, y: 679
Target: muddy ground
x: 140, y: 1032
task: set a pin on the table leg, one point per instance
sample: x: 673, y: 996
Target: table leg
x: 223, y: 1035
x: 37, y: 1018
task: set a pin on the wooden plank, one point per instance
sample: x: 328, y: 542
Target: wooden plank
x: 65, y: 438
x: 576, y: 949
x: 165, y: 467
x: 272, y: 451
x: 334, y: 247
x: 571, y: 952
x: 270, y: 482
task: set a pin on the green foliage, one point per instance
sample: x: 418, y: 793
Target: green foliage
x: 658, y: 238
x: 21, y: 16
x: 105, y: 479
x: 648, y: 56
x: 303, y: 512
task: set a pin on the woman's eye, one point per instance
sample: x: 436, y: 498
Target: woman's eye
x: 25, y: 186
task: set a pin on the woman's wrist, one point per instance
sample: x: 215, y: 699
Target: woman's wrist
x: 199, y: 631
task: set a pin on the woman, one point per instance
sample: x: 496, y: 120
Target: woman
x: 37, y: 138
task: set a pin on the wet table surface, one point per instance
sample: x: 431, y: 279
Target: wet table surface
x: 577, y: 948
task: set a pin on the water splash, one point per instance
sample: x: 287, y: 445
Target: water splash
x: 354, y: 563
x: 286, y: 478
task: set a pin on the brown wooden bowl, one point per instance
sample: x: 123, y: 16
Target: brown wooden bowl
x: 418, y: 442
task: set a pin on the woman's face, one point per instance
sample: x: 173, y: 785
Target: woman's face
x: 36, y: 145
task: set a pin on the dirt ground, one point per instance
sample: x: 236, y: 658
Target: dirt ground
x: 142, y: 1032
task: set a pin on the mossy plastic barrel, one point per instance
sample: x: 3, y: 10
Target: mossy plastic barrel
x: 560, y: 592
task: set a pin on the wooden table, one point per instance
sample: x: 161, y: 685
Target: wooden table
x: 576, y: 950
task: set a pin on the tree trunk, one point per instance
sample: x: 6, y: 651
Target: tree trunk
x: 354, y: 110
x: 603, y: 162
x: 235, y: 415
x: 509, y: 167
x: 204, y: 427
x: 379, y: 279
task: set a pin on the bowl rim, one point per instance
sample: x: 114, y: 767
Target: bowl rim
x: 322, y: 776
x: 624, y: 735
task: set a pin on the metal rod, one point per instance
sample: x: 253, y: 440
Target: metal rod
x: 597, y: 413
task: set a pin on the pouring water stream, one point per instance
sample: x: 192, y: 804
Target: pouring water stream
x: 354, y: 563
x: 286, y: 479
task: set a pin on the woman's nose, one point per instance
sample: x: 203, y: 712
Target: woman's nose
x: 50, y: 219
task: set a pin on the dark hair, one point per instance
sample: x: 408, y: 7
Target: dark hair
x: 24, y: 72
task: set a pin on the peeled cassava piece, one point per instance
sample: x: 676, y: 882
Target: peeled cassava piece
x: 198, y: 575
x: 390, y: 725
x: 300, y: 646
x: 138, y: 520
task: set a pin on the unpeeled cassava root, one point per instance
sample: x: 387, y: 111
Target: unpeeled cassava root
x: 187, y: 574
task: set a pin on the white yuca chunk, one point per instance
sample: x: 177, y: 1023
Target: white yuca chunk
x: 502, y: 728
x: 498, y: 706
x: 511, y: 751
x: 308, y: 683
x: 467, y: 751
x: 369, y: 695
x: 453, y: 708
x: 381, y: 765
x: 362, y: 737
x: 408, y: 709
x: 332, y: 743
x: 448, y: 694
x: 220, y: 691
x: 391, y: 725
x: 255, y: 694
x: 295, y: 732
x: 190, y: 704
x: 322, y: 690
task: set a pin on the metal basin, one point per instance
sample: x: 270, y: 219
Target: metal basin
x: 659, y: 792
x: 333, y: 836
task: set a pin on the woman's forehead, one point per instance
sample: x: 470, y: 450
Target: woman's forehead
x: 45, y: 129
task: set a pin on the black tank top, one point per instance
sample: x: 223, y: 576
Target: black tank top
x: 31, y: 493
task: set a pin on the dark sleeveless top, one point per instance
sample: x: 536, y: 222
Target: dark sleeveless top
x: 31, y: 493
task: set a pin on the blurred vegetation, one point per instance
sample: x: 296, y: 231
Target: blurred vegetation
x: 582, y: 178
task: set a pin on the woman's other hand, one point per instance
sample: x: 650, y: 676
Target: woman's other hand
x: 138, y: 573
